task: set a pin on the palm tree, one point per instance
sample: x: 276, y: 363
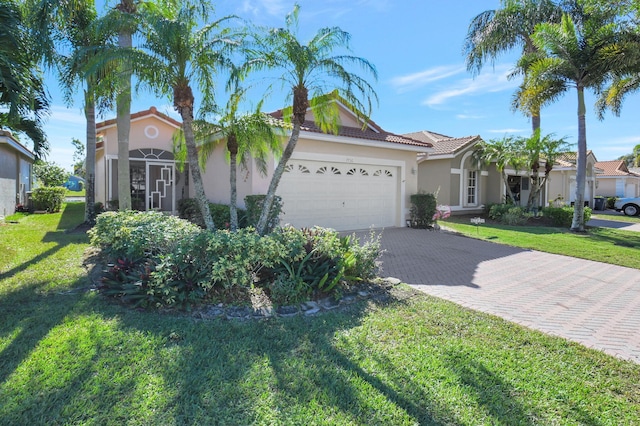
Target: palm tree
x: 23, y: 99
x: 310, y: 71
x: 74, y: 26
x: 494, y: 32
x: 582, y: 56
x: 127, y: 26
x: 177, y: 52
x: 536, y: 150
x: 503, y: 152
x: 247, y: 136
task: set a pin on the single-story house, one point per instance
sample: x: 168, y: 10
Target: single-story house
x: 450, y: 172
x: 616, y: 180
x: 359, y: 178
x: 16, y: 174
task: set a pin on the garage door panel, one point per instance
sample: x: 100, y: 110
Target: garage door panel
x: 339, y: 195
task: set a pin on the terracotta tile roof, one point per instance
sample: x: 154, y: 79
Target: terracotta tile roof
x: 371, y: 132
x: 614, y: 168
x: 151, y: 111
x: 427, y: 136
x: 443, y: 144
x: 569, y: 159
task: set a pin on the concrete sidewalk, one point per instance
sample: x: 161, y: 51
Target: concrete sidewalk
x: 592, y: 303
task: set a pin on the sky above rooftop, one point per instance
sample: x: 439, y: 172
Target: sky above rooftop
x: 423, y: 84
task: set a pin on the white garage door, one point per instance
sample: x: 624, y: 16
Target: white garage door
x: 343, y: 196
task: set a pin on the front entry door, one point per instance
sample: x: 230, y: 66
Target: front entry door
x: 160, y: 188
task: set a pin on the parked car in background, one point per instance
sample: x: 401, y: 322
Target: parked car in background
x: 629, y: 206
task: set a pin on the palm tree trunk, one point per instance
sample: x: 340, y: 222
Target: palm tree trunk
x: 192, y: 156
x: 90, y: 183
x: 261, y: 227
x: 123, y: 120
x: 233, y: 210
x: 577, y: 225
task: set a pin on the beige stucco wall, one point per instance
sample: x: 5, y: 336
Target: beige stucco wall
x: 435, y: 176
x: 606, y: 186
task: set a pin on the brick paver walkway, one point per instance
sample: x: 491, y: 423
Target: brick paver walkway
x: 592, y: 303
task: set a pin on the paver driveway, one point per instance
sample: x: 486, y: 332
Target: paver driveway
x: 592, y: 303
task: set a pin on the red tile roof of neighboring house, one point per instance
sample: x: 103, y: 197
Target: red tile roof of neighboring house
x: 614, y: 168
x: 443, y: 144
x: 371, y: 132
x: 151, y: 111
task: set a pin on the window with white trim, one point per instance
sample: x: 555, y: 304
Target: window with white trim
x: 472, y: 186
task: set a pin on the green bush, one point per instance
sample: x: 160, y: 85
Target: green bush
x: 563, y: 216
x: 48, y: 198
x: 133, y: 234
x: 50, y: 174
x: 254, y: 203
x: 179, y: 264
x: 516, y: 216
x: 423, y: 207
x: 220, y: 213
x: 610, y: 202
x: 497, y: 211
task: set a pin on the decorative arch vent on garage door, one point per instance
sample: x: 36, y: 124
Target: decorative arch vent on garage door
x: 343, y: 196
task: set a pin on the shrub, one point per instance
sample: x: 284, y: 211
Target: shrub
x: 128, y: 280
x: 563, y: 216
x: 134, y: 234
x: 50, y: 174
x: 497, y: 211
x: 220, y: 213
x: 610, y: 202
x: 361, y: 260
x: 48, y: 198
x: 515, y: 216
x: 254, y: 203
x: 423, y: 207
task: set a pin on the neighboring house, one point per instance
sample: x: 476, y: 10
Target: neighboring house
x: 561, y: 185
x: 360, y: 178
x: 616, y: 180
x: 16, y: 164
x: 451, y: 172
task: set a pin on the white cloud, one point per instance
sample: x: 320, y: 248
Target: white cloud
x: 271, y: 7
x: 411, y: 81
x: 61, y: 114
x: 487, y: 82
x: 469, y: 117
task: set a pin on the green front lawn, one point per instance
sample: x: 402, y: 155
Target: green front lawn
x: 68, y: 356
x: 606, y: 245
x: 616, y: 218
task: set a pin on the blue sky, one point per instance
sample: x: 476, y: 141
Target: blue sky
x: 416, y: 46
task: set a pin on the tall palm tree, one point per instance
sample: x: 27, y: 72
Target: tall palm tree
x: 247, y: 137
x: 68, y: 34
x: 494, y: 32
x: 178, y: 52
x: 310, y: 71
x: 23, y: 100
x: 580, y: 55
x: 127, y: 27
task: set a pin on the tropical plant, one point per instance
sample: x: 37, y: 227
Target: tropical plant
x: 494, y: 32
x: 247, y: 136
x: 23, y: 99
x: 68, y: 34
x: 176, y: 53
x: 505, y: 152
x: 310, y: 71
x: 580, y: 53
x: 537, y: 149
x: 49, y: 174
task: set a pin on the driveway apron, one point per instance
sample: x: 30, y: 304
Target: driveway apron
x: 592, y: 303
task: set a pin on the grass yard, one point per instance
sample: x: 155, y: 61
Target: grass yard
x: 68, y: 356
x: 81, y: 193
x: 606, y: 245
